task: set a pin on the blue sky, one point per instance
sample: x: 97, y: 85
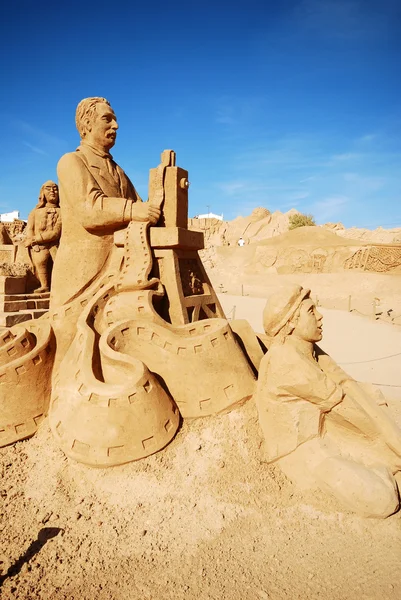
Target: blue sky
x: 277, y: 104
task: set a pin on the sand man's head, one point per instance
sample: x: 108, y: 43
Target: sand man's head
x: 291, y: 311
x: 97, y: 123
x: 48, y: 194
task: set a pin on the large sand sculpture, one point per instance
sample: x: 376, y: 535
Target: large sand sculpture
x: 266, y: 245
x: 313, y: 250
x: 140, y: 333
x: 136, y: 338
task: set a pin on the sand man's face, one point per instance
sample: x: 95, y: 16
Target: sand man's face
x: 309, y: 324
x: 102, y: 129
x: 51, y: 193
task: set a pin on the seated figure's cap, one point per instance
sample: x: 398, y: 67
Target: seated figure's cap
x: 281, y: 307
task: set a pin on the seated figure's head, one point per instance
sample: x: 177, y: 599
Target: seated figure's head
x: 96, y: 122
x: 48, y: 194
x: 291, y: 311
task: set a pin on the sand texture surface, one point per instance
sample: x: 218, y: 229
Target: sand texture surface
x: 206, y: 518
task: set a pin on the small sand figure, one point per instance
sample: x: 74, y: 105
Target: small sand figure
x: 43, y: 234
x: 322, y: 427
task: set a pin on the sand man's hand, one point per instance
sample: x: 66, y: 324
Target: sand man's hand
x: 143, y: 211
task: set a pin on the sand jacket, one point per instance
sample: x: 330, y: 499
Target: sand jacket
x: 96, y: 199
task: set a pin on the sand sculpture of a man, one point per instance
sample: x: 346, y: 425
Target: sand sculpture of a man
x: 97, y: 199
x: 115, y: 400
x: 43, y: 233
x: 323, y: 428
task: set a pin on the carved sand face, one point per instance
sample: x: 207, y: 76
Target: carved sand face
x: 102, y: 129
x: 51, y: 193
x: 308, y: 326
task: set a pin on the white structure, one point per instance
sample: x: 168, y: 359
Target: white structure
x: 9, y: 217
x: 209, y: 216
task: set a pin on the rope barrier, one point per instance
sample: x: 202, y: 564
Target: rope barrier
x: 360, y: 362
x: 386, y: 384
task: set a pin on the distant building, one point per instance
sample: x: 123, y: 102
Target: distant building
x: 209, y: 216
x: 9, y: 217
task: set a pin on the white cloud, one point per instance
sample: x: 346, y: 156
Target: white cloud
x: 35, y: 132
x: 298, y: 196
x: 329, y: 208
x: 369, y: 137
x: 345, y: 19
x: 232, y: 188
x: 34, y: 148
x: 347, y: 156
x: 225, y: 118
x: 364, y: 184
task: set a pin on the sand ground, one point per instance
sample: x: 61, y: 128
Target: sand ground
x: 365, y: 291
x: 204, y: 519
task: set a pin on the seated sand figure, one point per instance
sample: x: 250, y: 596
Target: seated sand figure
x: 43, y: 234
x: 323, y: 428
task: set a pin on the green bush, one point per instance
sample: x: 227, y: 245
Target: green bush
x: 299, y: 220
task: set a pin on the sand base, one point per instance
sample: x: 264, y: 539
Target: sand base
x: 206, y: 518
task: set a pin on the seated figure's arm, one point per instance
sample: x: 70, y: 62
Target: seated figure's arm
x: 324, y: 393
x: 302, y: 378
x: 331, y: 368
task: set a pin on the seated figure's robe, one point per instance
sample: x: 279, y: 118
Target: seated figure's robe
x: 294, y: 392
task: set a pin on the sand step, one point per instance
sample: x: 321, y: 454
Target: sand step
x: 8, y: 319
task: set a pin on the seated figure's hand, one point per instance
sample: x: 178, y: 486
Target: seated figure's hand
x: 340, y: 378
x: 143, y: 211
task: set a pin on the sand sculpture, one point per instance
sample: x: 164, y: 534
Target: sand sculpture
x: 136, y: 339
x: 5, y: 239
x: 43, y: 234
x: 323, y: 428
x: 268, y: 245
x: 260, y: 224
x: 27, y: 254
x: 140, y: 334
x: 311, y: 250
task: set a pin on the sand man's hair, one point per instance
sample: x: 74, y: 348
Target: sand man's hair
x: 42, y: 194
x: 86, y: 110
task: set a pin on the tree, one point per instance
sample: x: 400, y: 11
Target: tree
x: 300, y: 220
